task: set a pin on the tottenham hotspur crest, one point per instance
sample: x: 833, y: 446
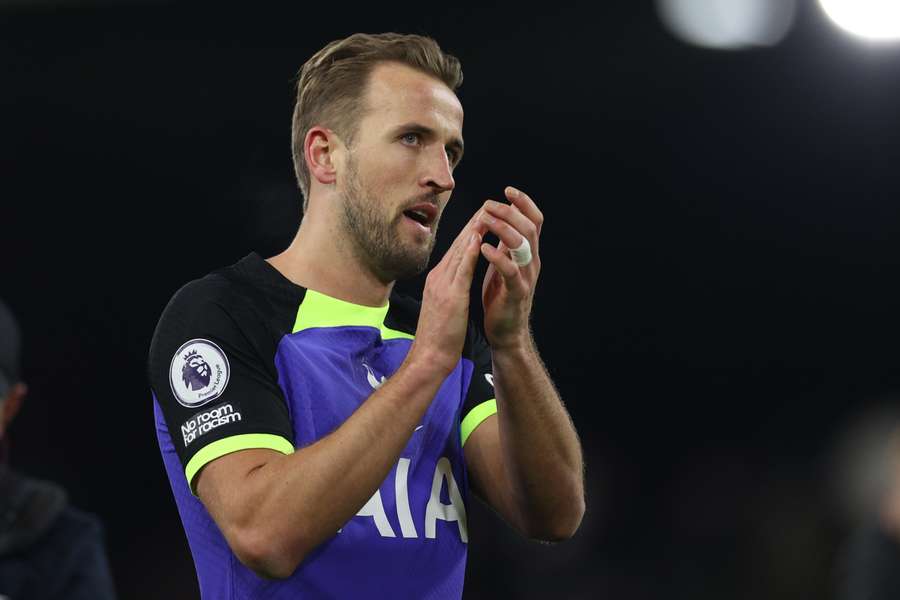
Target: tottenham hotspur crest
x: 198, y: 373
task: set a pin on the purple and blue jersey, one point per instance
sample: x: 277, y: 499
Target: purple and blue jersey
x: 243, y: 358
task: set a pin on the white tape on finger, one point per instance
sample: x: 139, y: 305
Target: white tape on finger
x: 521, y: 255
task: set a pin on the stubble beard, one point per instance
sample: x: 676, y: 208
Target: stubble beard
x: 374, y: 235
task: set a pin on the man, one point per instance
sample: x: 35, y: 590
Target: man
x: 48, y: 550
x: 320, y: 431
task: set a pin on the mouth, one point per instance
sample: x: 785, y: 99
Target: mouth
x: 423, y: 214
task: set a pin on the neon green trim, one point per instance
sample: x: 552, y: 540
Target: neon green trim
x: 319, y: 310
x: 233, y: 444
x: 476, y: 417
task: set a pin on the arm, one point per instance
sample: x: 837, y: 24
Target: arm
x: 526, y: 461
x: 274, y: 509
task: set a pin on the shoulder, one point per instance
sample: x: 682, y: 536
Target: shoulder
x: 202, y: 306
x: 30, y: 507
x: 223, y: 307
x: 249, y: 297
x: 224, y: 289
x: 199, y: 294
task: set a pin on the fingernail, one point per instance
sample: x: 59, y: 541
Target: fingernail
x: 486, y: 218
x: 511, y: 191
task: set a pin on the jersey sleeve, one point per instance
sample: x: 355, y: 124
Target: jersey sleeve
x: 480, y: 402
x: 211, y: 370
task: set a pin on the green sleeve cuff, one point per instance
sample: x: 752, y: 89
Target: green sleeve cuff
x: 475, y: 417
x: 231, y: 444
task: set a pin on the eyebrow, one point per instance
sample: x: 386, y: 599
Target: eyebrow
x: 455, y: 143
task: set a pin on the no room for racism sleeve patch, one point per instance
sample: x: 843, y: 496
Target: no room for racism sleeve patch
x: 212, y: 373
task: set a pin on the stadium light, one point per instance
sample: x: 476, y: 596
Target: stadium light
x: 873, y: 19
x: 728, y: 24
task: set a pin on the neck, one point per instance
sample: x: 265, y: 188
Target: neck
x: 321, y: 258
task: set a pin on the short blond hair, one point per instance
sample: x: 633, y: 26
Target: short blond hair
x: 332, y: 83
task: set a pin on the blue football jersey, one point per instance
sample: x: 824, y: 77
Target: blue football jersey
x: 243, y: 358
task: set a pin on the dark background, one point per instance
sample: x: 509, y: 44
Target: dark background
x: 718, y: 291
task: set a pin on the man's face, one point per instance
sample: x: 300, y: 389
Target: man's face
x: 406, y: 147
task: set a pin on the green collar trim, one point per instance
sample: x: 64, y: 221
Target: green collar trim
x: 319, y: 310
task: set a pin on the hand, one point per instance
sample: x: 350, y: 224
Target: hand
x: 444, y: 315
x: 508, y: 289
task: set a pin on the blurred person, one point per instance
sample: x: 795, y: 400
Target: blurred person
x: 320, y: 431
x: 48, y: 549
x: 870, y: 565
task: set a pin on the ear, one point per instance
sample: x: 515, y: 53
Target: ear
x: 10, y: 407
x: 322, y: 150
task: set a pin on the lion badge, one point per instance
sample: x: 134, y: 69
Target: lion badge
x: 199, y: 373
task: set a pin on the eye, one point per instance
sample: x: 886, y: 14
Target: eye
x: 411, y: 137
x: 452, y: 155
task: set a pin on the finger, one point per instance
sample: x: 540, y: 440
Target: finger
x: 514, y: 217
x: 526, y: 205
x: 505, y: 251
x: 503, y: 230
x: 455, y: 252
x: 509, y: 270
x: 465, y: 269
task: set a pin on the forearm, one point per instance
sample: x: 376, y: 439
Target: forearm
x: 295, y: 502
x: 540, y: 447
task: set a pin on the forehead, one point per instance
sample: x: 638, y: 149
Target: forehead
x: 398, y: 93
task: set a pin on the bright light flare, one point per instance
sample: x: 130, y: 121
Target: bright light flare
x: 873, y: 19
x: 728, y: 24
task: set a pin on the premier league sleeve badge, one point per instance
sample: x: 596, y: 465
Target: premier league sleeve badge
x: 198, y: 373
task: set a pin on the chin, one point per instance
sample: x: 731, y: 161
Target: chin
x: 411, y: 265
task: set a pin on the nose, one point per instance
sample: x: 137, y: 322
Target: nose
x: 438, y: 174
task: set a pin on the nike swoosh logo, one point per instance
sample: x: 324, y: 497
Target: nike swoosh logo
x: 373, y: 381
